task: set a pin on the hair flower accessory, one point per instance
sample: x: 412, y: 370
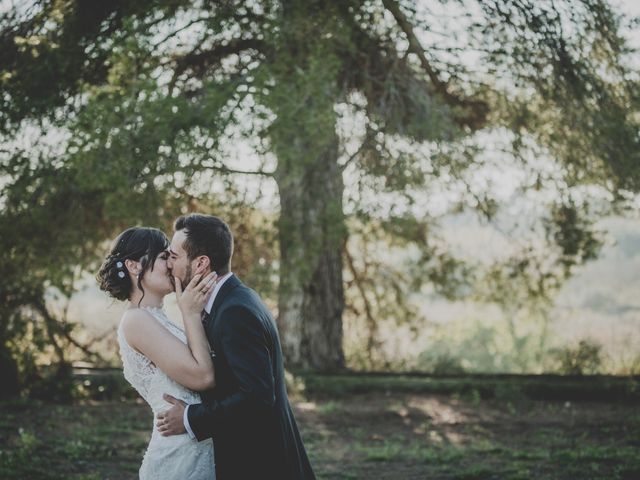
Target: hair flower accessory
x: 119, y: 266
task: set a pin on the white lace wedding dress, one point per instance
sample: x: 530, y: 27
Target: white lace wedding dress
x: 174, y: 457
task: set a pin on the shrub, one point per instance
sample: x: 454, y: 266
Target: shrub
x: 584, y: 359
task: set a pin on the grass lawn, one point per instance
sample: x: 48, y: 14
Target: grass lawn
x: 377, y: 434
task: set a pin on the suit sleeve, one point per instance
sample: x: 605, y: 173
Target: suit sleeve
x: 245, y: 345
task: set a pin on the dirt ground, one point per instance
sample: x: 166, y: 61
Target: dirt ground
x: 404, y: 436
x: 358, y: 436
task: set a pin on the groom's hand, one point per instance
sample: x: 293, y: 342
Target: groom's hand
x: 170, y: 422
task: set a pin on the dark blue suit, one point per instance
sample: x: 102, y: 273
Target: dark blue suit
x: 248, y: 413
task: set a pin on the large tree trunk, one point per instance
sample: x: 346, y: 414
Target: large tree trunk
x: 305, y: 73
x: 311, y: 231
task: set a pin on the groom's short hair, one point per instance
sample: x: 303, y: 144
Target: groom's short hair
x: 207, y: 235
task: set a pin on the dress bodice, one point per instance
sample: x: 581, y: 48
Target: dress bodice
x: 151, y: 382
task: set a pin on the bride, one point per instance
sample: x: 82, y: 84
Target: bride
x: 157, y: 356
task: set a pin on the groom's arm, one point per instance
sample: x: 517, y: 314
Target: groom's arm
x: 246, y: 348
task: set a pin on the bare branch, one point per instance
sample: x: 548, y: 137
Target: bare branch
x: 50, y: 326
x: 225, y: 169
x: 54, y: 328
x: 178, y: 30
x: 365, y: 143
x: 371, y: 321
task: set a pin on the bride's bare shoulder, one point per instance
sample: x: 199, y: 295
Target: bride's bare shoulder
x: 136, y: 321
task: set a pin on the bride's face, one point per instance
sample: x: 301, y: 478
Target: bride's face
x: 157, y: 279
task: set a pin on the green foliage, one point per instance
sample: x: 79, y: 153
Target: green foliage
x: 143, y: 98
x: 582, y: 115
x: 572, y: 232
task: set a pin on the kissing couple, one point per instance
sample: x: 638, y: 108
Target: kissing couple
x: 217, y: 388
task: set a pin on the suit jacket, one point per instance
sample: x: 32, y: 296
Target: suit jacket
x: 248, y: 413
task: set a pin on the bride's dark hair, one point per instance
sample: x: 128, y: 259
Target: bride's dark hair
x: 141, y: 244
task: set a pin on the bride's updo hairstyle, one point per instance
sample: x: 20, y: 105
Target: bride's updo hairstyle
x: 140, y: 244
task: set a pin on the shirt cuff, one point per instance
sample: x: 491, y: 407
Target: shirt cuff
x: 187, y: 427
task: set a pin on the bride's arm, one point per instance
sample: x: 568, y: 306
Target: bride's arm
x: 191, y: 364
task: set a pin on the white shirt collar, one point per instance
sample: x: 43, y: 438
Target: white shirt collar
x: 212, y: 298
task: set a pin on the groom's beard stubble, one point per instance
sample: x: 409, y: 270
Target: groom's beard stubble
x: 187, y: 277
x: 184, y: 281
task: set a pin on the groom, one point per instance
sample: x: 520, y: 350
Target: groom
x: 248, y: 413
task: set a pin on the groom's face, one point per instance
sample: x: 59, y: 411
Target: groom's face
x: 178, y: 261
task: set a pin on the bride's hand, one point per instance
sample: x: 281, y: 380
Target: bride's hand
x: 193, y: 299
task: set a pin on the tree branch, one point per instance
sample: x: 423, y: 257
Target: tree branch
x: 200, y: 62
x: 371, y: 321
x: 50, y: 326
x: 178, y: 30
x: 225, y: 169
x: 478, y: 109
x: 53, y: 328
x: 369, y: 135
